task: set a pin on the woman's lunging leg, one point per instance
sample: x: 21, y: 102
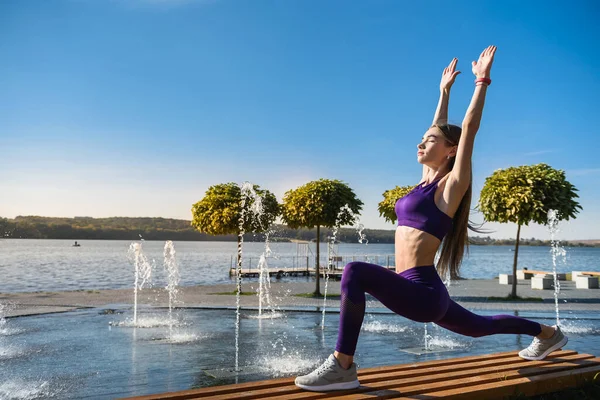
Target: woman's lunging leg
x: 464, y: 322
x: 423, y: 299
x: 547, y: 338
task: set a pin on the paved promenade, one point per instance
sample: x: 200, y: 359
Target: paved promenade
x: 472, y: 294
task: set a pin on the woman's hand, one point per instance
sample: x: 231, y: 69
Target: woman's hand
x: 449, y: 75
x: 483, y: 66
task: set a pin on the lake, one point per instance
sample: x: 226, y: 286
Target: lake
x: 54, y: 265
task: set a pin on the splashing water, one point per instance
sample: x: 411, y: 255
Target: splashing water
x: 427, y: 337
x: 571, y: 327
x: 272, y: 315
x: 146, y: 321
x: 445, y: 343
x: 256, y: 208
x: 281, y: 361
x: 172, y: 268
x: 378, y: 327
x: 3, y: 327
x: 183, y: 338
x: 25, y: 390
x: 361, y: 236
x: 264, y: 283
x: 245, y: 189
x: 557, y: 251
x: 344, y: 212
x: 247, y: 192
x: 143, y: 272
x: 9, y: 350
x: 284, y: 365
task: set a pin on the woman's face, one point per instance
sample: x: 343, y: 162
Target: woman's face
x: 433, y: 149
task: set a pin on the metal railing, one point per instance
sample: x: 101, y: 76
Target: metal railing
x: 307, y: 263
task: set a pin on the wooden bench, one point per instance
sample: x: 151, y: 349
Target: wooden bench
x: 529, y: 273
x: 491, y: 376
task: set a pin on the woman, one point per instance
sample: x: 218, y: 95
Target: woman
x: 437, y: 208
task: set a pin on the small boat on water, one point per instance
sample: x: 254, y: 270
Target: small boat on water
x: 76, y: 244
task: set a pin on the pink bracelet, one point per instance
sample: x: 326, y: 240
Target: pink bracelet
x: 484, y: 80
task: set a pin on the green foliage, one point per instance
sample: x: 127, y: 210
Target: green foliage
x: 126, y: 228
x: 344, y: 235
x: 318, y: 203
x: 525, y: 194
x: 5, y: 227
x: 387, y: 206
x: 218, y: 213
x: 114, y: 228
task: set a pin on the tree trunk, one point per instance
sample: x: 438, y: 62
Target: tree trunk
x: 239, y: 265
x: 318, y: 274
x: 514, y: 282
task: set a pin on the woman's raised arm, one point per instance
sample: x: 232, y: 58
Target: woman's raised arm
x: 461, y: 173
x: 441, y: 112
x: 448, y: 76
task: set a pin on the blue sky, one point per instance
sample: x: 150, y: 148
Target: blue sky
x: 136, y: 107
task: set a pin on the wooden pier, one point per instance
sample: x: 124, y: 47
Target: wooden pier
x: 281, y: 272
x: 273, y: 272
x: 305, y: 265
x: 491, y: 376
x: 335, y: 274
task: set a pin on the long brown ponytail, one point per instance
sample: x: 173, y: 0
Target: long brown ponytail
x: 457, y: 240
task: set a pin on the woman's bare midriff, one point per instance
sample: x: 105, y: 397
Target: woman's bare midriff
x: 414, y: 248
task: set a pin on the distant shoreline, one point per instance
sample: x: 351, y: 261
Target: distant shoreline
x: 573, y: 243
x: 124, y: 228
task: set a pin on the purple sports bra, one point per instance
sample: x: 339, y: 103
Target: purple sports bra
x: 418, y: 210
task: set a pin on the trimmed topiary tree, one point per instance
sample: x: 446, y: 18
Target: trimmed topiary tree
x: 219, y: 213
x: 318, y: 203
x: 526, y: 194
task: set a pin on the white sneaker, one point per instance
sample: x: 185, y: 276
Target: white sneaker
x: 540, y: 348
x: 329, y: 376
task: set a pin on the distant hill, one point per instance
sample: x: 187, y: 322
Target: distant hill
x: 586, y: 242
x: 126, y: 228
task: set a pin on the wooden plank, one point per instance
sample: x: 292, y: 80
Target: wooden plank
x: 454, y: 362
x: 529, y: 386
x: 288, y: 383
x: 460, y: 384
x: 450, y: 361
x: 590, y: 273
x: 215, y: 390
x: 418, y: 379
x: 433, y: 382
x: 420, y: 376
x: 414, y: 387
x: 408, y: 372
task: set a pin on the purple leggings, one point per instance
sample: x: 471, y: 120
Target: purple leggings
x: 418, y: 294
